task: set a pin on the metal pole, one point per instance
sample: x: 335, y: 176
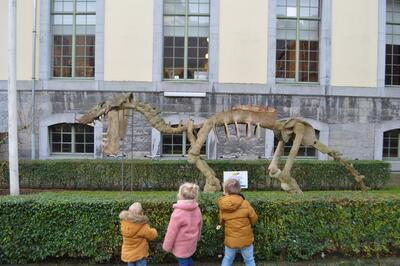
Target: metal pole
x: 12, y: 98
x: 33, y: 144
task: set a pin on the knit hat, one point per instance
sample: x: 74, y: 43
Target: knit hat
x: 136, y: 208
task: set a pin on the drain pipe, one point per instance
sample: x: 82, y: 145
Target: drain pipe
x: 33, y: 144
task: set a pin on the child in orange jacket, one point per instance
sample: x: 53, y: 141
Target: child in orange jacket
x: 237, y: 217
x: 135, y: 235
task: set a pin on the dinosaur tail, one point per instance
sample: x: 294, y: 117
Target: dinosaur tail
x: 336, y: 156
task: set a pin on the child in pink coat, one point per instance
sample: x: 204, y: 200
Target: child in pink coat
x: 184, y: 229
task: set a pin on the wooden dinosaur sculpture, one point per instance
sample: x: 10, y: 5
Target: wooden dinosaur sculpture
x: 117, y: 108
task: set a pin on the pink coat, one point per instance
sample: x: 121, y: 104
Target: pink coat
x: 184, y: 229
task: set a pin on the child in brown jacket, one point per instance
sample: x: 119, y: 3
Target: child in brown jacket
x: 135, y: 235
x: 237, y: 217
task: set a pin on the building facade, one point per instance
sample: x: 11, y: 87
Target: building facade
x: 334, y: 63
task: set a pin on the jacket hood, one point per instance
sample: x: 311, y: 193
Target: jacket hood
x: 230, y: 203
x: 135, y: 218
x: 187, y: 205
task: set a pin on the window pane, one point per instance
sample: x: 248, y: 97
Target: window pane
x: 178, y: 27
x: 89, y: 138
x: 292, y: 32
x: 391, y: 141
x: 167, y: 149
x: 89, y: 148
x: 167, y: 139
x: 80, y: 138
x: 79, y: 148
x: 304, y: 151
x: 73, y: 17
x: 56, y: 147
x: 177, y: 149
x: 66, y: 137
x: 66, y: 148
x: 56, y: 137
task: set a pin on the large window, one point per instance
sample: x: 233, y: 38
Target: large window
x: 71, y: 139
x: 186, y: 38
x: 392, y: 70
x: 177, y: 145
x: 297, y: 40
x: 391, y: 144
x: 305, y: 152
x: 73, y: 29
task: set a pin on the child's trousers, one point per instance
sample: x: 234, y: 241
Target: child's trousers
x: 247, y: 254
x: 141, y: 262
x: 185, y: 261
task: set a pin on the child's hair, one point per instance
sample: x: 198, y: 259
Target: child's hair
x: 188, y: 191
x: 232, y: 186
x: 136, y: 208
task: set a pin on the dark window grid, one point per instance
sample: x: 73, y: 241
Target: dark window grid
x: 311, y: 48
x: 285, y: 66
x: 189, y: 7
x: 175, y: 144
x: 391, y: 68
x: 391, y: 5
x: 304, y: 152
x: 182, y: 72
x: 68, y: 138
x: 66, y: 70
x: 84, y: 142
x: 194, y: 53
x: 392, y: 58
x: 304, y: 11
x: 309, y: 152
x: 170, y: 141
x: 391, y: 144
x: 284, y: 3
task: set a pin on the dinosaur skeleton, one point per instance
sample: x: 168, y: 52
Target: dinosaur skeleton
x: 118, y: 108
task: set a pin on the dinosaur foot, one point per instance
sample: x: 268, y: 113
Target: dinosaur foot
x: 360, y: 183
x: 213, y: 186
x: 288, y: 184
x: 292, y: 189
x: 275, y: 174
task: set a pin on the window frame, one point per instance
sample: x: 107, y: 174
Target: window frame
x: 301, y: 157
x: 389, y: 147
x: 391, y: 65
x: 185, y: 143
x: 74, y: 14
x: 298, y: 18
x: 73, y: 142
x: 186, y: 42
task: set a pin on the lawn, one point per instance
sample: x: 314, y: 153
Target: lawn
x: 170, y: 196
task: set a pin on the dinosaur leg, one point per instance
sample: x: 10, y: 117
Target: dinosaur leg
x: 111, y: 142
x: 212, y: 183
x: 273, y: 169
x: 336, y: 156
x: 288, y: 183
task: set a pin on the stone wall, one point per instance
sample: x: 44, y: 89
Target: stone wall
x: 351, y: 120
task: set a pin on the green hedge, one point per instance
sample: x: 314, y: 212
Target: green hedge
x: 167, y: 174
x: 85, y: 225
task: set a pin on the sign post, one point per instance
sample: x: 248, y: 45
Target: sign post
x: 239, y: 175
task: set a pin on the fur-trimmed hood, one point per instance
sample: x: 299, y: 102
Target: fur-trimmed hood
x: 135, y: 218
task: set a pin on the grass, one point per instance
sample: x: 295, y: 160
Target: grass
x: 170, y: 196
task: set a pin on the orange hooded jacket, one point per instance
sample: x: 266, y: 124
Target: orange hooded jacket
x: 237, y: 216
x: 135, y: 236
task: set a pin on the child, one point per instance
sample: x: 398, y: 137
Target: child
x: 237, y: 216
x: 135, y: 235
x: 184, y: 227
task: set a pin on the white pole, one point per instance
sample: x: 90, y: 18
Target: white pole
x: 12, y: 98
x: 33, y: 144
